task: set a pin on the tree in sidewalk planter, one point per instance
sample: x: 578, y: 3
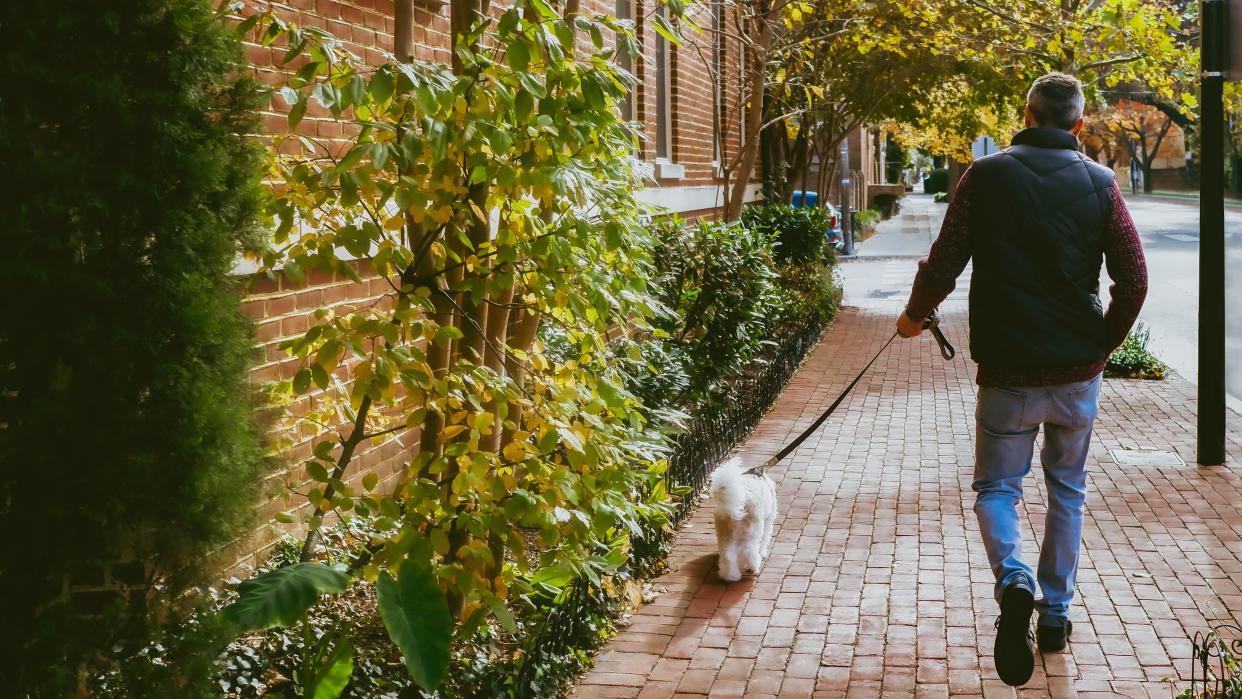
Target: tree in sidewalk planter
x: 494, y: 197
x: 1233, y: 135
x: 1134, y: 360
x: 126, y: 435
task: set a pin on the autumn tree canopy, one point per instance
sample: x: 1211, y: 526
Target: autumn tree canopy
x: 939, y: 73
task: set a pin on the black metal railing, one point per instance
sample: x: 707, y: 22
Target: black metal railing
x: 1215, y: 659
x: 705, y: 442
x: 709, y: 438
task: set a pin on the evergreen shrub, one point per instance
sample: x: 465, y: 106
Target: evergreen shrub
x: 937, y: 181
x: 799, y: 233
x: 126, y: 429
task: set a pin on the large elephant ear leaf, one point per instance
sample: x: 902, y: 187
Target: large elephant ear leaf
x: 416, y: 615
x: 281, y: 597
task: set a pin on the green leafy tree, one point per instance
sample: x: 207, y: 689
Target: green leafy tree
x: 125, y: 422
x: 494, y: 195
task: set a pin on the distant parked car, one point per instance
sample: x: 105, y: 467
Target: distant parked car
x: 834, y: 234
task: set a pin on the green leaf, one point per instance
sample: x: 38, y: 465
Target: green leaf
x: 302, y: 380
x: 335, y: 674
x: 532, y: 85
x: 356, y: 90
x: 323, y: 450
x: 379, y: 155
x: 556, y: 576
x: 508, y: 21
x: 546, y: 11
x: 324, y: 94
x: 446, y: 334
x: 317, y: 471
x: 592, y: 92
x: 370, y: 480
x: 297, y: 111
x: 319, y: 376
x: 281, y: 597
x: 666, y: 30
x: 504, y: 616
x: 382, y: 85
x: 416, y: 615
x: 353, y: 157
x: 519, y: 56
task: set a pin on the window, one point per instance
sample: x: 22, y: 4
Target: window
x: 719, y: 82
x: 625, y: 11
x: 664, y: 96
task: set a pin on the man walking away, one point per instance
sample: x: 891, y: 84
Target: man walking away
x: 1037, y: 218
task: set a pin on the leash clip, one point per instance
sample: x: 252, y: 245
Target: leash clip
x: 932, y: 323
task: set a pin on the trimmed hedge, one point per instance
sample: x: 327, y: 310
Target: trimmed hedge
x: 798, y: 232
x: 126, y: 429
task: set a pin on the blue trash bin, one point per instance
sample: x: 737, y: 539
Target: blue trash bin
x: 801, y: 198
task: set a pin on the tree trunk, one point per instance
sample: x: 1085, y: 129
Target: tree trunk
x: 753, y: 125
x: 403, y: 32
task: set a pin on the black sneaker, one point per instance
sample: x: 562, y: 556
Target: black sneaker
x: 1014, y: 651
x: 1053, y: 637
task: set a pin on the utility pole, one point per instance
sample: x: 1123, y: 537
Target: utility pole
x: 847, y: 222
x: 1210, y: 437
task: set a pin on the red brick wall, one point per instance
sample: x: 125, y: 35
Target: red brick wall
x: 284, y: 309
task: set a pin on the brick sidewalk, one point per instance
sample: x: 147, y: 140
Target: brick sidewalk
x: 878, y: 584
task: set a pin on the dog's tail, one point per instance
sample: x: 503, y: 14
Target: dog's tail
x: 728, y: 488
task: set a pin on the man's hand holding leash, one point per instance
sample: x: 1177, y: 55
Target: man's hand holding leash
x: 909, y: 326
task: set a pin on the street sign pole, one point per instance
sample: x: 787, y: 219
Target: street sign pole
x: 1210, y: 437
x: 847, y: 222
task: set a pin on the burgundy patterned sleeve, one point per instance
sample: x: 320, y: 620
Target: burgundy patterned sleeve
x: 938, y: 272
x: 1123, y: 255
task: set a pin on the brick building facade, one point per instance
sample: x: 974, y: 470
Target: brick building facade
x: 673, y: 101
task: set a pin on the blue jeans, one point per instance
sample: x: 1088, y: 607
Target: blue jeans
x: 1007, y: 420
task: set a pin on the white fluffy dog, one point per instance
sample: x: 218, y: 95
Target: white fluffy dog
x: 745, y: 511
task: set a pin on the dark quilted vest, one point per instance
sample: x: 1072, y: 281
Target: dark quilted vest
x: 1039, y: 211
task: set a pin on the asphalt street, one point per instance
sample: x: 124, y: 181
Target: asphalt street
x: 887, y: 262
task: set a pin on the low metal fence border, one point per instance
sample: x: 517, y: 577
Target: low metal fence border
x: 709, y: 438
x: 697, y: 450
x: 1213, y: 669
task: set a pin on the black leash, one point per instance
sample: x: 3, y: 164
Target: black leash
x: 947, y: 351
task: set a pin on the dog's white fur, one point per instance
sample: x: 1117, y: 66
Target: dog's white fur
x: 745, y: 512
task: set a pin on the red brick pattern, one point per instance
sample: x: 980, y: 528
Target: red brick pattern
x: 878, y: 584
x: 284, y: 309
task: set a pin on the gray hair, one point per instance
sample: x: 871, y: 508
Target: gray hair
x: 1056, y: 100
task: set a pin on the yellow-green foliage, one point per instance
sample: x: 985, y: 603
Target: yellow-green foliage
x: 495, y: 196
